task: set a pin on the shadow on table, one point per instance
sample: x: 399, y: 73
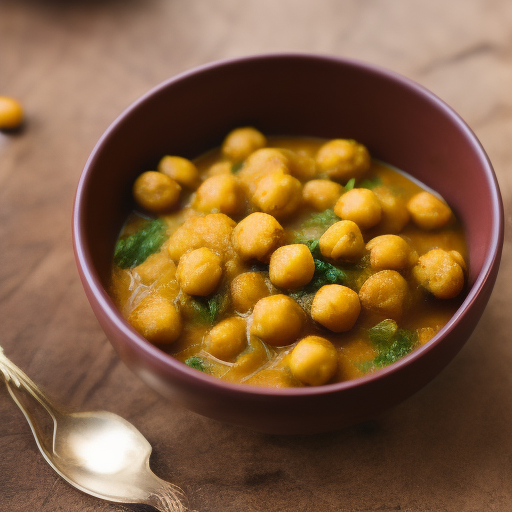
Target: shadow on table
x: 445, y: 447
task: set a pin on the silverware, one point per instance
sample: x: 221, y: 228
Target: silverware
x: 99, y: 453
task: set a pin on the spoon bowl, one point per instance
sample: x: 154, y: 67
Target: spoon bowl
x: 99, y: 453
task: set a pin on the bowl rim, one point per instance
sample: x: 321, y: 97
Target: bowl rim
x: 91, y: 277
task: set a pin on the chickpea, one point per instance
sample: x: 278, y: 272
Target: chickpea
x: 361, y: 206
x: 291, y: 266
x: 343, y: 159
x: 428, y: 211
x: 257, y: 236
x: 157, y: 319
x: 227, y: 339
x: 457, y: 256
x: 302, y: 166
x: 440, y: 273
x: 181, y: 170
x: 278, y: 194
x: 156, y: 192
x: 395, y: 215
x: 314, y: 361
x: 212, y: 231
x: 390, y: 252
x: 342, y: 241
x: 385, y: 293
x: 219, y: 168
x: 260, y: 164
x: 241, y: 142
x: 199, y: 272
x: 247, y: 289
x: 277, y: 320
x: 336, y: 307
x: 11, y: 113
x: 221, y: 193
x: 321, y: 194
x: 155, y: 266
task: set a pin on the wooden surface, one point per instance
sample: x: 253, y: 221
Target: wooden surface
x: 75, y: 65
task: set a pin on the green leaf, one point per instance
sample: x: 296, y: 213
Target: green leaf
x: 325, y: 273
x: 237, y: 167
x: 198, y: 363
x: 383, y: 333
x: 209, y: 310
x: 350, y: 184
x: 398, y: 349
x: 323, y: 220
x: 391, y: 343
x: 371, y: 183
x: 134, y: 249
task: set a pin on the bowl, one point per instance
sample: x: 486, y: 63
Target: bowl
x: 299, y: 95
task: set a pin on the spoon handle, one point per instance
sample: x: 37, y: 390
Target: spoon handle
x: 13, y: 374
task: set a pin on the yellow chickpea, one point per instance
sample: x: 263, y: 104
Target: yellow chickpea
x: 241, y: 142
x: 219, y: 168
x: 278, y: 194
x: 342, y: 241
x: 181, y: 170
x: 212, y: 231
x: 199, y: 272
x: 390, y: 252
x: 247, y: 289
x: 395, y: 215
x: 227, y: 339
x: 321, y: 194
x: 291, y: 266
x: 302, y: 166
x: 457, y: 256
x: 277, y: 320
x: 343, y: 159
x: 314, y: 361
x: 156, y: 192
x: 257, y: 237
x: 154, y: 267
x: 384, y: 293
x: 219, y: 193
x: 336, y: 307
x: 361, y: 206
x: 428, y: 211
x: 157, y: 319
x: 441, y: 273
x: 260, y: 164
x: 11, y: 113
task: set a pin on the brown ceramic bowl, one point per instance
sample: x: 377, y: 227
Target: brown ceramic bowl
x: 400, y: 122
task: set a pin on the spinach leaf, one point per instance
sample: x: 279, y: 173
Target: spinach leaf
x: 350, y: 184
x: 198, y: 363
x: 322, y: 220
x: 134, y: 249
x: 237, y: 167
x: 371, y: 183
x: 209, y: 310
x: 391, y: 343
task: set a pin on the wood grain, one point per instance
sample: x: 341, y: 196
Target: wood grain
x: 75, y: 65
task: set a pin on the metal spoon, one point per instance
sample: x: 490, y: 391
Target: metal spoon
x: 99, y: 453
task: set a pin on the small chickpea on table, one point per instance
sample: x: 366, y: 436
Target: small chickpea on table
x: 11, y: 113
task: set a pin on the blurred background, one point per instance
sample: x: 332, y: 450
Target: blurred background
x: 75, y: 66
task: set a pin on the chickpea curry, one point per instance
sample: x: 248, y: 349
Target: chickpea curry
x: 287, y: 262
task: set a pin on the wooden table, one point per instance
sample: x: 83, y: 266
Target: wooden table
x: 75, y: 65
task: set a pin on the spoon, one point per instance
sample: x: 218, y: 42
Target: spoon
x: 99, y: 453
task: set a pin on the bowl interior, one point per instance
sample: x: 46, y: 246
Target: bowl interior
x: 398, y: 121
